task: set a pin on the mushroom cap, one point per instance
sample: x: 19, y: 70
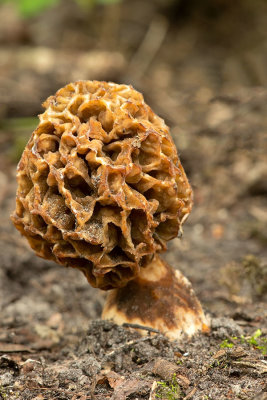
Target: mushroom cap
x: 100, y: 184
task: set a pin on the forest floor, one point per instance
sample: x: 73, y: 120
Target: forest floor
x: 53, y: 344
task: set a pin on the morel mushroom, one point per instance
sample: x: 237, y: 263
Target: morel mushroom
x: 101, y: 189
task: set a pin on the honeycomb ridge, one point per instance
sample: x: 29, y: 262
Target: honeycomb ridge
x: 100, y: 184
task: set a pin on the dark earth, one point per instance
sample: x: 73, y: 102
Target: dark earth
x: 202, y: 67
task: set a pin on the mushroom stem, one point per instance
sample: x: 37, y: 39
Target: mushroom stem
x: 161, y: 298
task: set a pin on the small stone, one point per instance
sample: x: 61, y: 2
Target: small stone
x: 83, y: 380
x: 88, y: 365
x: 6, y: 379
x: 236, y: 389
x: 29, y: 365
x: 225, y: 328
x: 55, y: 321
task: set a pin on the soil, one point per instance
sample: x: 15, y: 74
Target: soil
x: 210, y: 88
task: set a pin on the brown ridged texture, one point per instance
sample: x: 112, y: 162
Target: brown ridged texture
x: 100, y: 185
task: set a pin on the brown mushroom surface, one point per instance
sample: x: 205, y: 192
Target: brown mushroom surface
x: 100, y: 185
x: 160, y: 298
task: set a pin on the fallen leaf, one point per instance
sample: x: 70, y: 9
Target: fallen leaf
x: 131, y: 387
x: 14, y: 348
x: 111, y: 378
x: 165, y: 369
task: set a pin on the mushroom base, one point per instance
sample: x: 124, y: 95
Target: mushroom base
x: 160, y: 298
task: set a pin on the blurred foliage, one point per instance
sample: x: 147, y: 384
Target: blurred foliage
x: 19, y: 131
x: 31, y: 8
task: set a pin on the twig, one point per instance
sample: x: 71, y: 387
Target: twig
x: 152, y: 391
x: 110, y: 25
x: 137, y: 326
x: 47, y: 388
x: 14, y: 348
x: 92, y: 388
x: 193, y: 391
x: 149, y: 47
x: 260, y: 365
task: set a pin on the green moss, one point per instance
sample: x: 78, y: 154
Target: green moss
x: 3, y: 393
x: 18, y: 131
x: 226, y: 344
x: 31, y: 8
x: 169, y: 390
x: 256, y: 341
